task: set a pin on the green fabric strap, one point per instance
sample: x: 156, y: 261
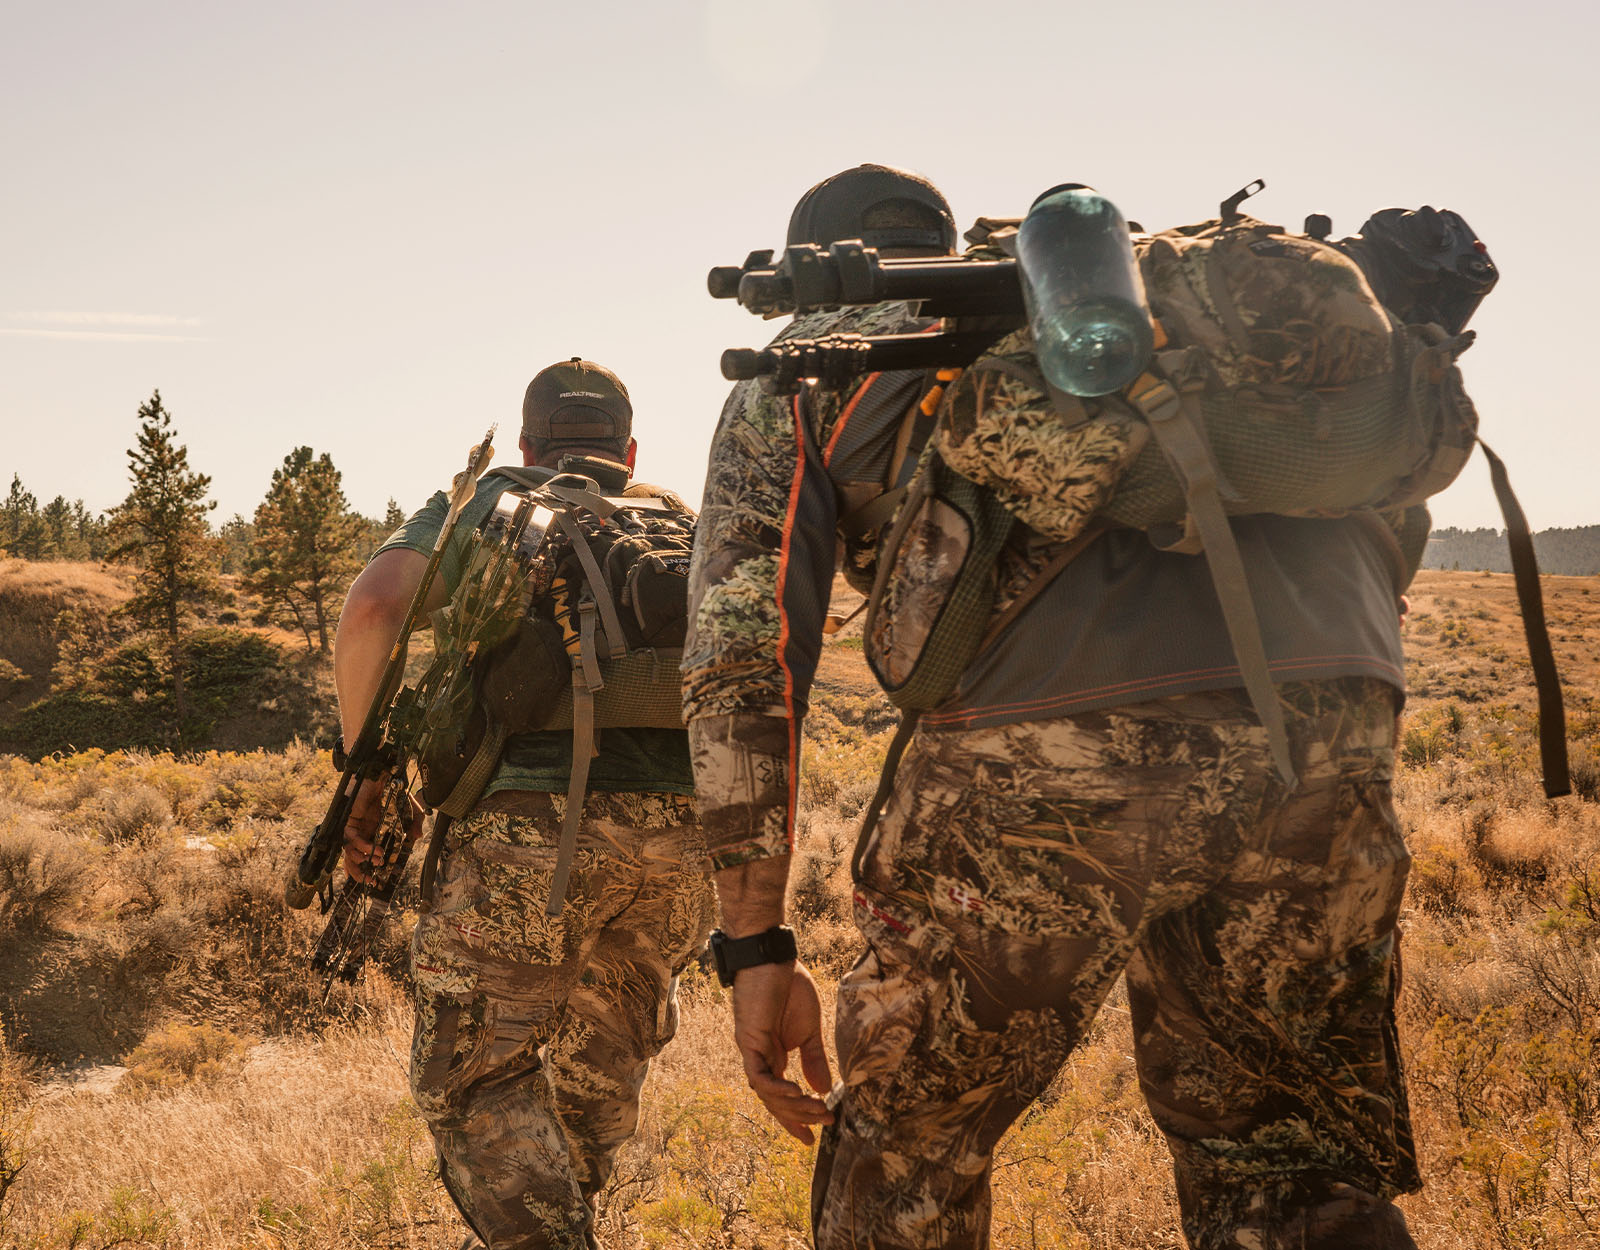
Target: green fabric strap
x: 891, y: 764
x: 1171, y: 417
x: 582, y: 752
x: 1530, y: 598
x: 471, y: 784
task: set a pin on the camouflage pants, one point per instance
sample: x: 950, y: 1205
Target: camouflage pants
x: 533, y: 1034
x: 1018, y: 870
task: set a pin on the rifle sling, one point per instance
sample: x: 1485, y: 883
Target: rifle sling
x: 1530, y: 599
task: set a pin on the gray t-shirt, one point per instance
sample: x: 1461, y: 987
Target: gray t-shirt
x: 1125, y: 622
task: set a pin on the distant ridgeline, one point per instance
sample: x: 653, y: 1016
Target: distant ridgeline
x: 1571, y: 552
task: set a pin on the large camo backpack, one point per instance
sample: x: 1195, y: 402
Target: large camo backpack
x: 1280, y: 384
x: 570, y: 614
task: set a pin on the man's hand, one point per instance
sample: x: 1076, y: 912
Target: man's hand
x: 776, y: 1011
x: 361, y: 855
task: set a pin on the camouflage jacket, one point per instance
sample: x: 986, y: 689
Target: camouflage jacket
x: 784, y: 470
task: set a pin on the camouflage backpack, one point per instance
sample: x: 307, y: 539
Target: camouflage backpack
x: 570, y: 614
x: 1280, y: 385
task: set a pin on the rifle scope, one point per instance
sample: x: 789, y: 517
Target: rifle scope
x: 811, y: 278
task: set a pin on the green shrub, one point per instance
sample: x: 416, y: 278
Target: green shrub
x: 183, y: 1054
x: 71, y: 719
x: 140, y: 665
x: 231, y: 661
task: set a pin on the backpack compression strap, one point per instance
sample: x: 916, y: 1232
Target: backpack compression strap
x: 471, y: 784
x: 1172, y: 415
x: 577, y: 785
x: 1525, y: 570
x: 586, y: 680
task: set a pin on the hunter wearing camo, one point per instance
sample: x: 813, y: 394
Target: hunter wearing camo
x: 1096, y: 797
x: 533, y: 1033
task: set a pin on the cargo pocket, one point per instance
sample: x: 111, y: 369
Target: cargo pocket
x: 889, y: 1006
x: 936, y: 584
x: 450, y: 1042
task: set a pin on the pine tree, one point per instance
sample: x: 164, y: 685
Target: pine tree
x: 94, y: 532
x: 305, y: 548
x: 234, y: 537
x: 22, y: 530
x: 61, y: 543
x: 161, y: 526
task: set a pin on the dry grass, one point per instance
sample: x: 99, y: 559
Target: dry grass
x: 216, y: 1104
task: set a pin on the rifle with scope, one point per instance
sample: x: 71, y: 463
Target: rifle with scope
x: 1067, y: 268
x: 980, y: 298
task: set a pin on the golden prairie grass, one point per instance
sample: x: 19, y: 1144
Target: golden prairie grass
x: 264, y: 1120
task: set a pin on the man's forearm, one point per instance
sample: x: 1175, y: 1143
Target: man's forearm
x: 751, y: 895
x: 742, y: 777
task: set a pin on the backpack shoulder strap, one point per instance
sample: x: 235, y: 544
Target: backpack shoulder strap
x: 915, y: 396
x: 616, y: 640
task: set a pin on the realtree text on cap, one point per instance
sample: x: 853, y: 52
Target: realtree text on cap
x: 577, y: 401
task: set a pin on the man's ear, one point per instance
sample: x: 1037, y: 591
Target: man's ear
x: 530, y: 454
x: 633, y: 452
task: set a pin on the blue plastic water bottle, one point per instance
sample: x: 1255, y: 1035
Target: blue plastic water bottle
x: 1083, y: 291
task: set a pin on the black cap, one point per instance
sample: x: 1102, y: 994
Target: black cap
x: 881, y: 206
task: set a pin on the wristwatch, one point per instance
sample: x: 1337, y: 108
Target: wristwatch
x: 732, y: 956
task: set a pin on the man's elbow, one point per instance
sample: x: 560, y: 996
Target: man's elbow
x: 380, y: 595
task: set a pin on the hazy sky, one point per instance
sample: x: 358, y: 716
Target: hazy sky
x: 364, y: 226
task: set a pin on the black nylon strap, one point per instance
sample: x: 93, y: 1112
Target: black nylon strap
x: 1530, y: 599
x: 891, y: 762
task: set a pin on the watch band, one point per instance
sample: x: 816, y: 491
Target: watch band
x: 731, y: 956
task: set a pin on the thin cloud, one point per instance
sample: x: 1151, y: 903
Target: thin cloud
x: 104, y: 335
x: 146, y: 320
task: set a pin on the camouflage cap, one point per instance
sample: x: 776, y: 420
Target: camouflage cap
x: 577, y: 401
